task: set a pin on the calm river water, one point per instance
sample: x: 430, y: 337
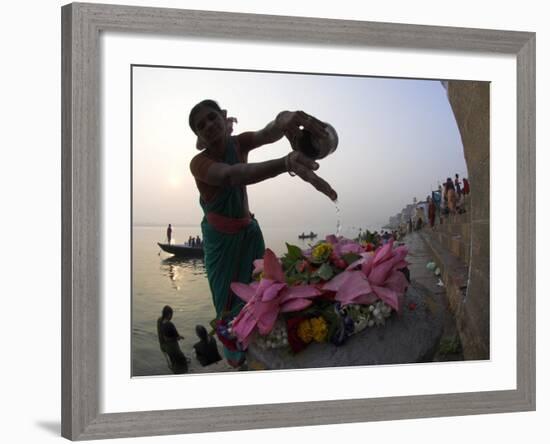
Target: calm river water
x: 158, y: 279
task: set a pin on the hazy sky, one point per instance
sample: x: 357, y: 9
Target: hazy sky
x: 398, y: 139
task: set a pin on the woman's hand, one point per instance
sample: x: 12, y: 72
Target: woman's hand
x: 293, y: 122
x: 303, y: 167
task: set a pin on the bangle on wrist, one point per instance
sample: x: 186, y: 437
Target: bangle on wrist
x: 287, y: 165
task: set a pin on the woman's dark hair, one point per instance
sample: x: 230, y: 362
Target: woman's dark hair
x: 167, y: 312
x: 201, y: 332
x: 208, y: 103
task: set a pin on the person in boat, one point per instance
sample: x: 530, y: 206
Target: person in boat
x: 168, y: 339
x: 169, y: 234
x: 232, y: 238
x: 206, y: 349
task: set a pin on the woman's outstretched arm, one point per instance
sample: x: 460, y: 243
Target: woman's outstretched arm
x: 221, y: 174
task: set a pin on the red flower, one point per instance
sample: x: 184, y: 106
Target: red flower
x: 341, y: 264
x: 229, y: 343
x: 301, y: 266
x: 327, y: 294
x: 294, y: 341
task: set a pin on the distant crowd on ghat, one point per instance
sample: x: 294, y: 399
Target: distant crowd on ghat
x: 449, y: 198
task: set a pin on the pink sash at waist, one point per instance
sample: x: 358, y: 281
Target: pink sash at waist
x: 227, y: 225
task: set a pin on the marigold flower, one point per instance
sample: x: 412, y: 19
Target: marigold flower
x: 319, y: 329
x: 321, y: 252
x: 305, y: 332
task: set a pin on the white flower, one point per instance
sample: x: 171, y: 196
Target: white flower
x: 361, y: 325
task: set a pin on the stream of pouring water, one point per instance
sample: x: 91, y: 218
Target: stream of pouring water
x: 338, y: 218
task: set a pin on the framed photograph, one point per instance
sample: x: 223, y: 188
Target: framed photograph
x: 254, y: 204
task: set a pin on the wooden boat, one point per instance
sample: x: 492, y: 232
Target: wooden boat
x: 181, y: 250
x: 307, y: 236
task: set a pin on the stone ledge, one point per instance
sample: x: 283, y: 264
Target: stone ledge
x: 413, y: 336
x: 455, y: 277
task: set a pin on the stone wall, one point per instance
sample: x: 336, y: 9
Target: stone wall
x: 470, y: 104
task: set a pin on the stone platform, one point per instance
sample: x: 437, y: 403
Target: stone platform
x: 412, y: 336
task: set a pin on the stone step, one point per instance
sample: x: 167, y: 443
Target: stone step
x: 454, y: 272
x: 457, y: 218
x: 454, y: 244
x: 462, y: 230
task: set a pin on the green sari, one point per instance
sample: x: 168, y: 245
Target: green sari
x: 232, y: 241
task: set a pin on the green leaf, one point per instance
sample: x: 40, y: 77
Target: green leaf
x: 294, y: 252
x: 297, y: 277
x: 325, y: 272
x: 332, y: 319
x: 350, y: 258
x: 288, y: 263
x: 315, y: 279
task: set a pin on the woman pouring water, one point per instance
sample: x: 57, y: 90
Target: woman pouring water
x: 232, y: 238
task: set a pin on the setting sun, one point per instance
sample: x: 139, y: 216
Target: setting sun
x: 174, y: 180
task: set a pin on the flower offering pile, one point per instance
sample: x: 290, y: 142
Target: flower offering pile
x: 327, y: 293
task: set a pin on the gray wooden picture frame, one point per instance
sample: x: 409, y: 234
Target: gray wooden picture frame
x: 81, y: 174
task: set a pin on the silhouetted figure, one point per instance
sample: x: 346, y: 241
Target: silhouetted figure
x: 169, y: 233
x: 466, y: 186
x: 431, y: 212
x: 207, y: 348
x: 457, y: 186
x: 451, y: 195
x: 168, y: 339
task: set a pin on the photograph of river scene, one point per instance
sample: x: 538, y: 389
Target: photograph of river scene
x: 291, y: 221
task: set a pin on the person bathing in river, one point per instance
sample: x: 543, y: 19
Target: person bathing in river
x: 206, y: 349
x: 168, y: 339
x: 232, y: 238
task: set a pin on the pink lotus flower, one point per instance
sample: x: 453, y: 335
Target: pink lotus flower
x: 266, y: 299
x: 378, y: 278
x: 342, y: 245
x: 351, y: 287
x: 258, y: 267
